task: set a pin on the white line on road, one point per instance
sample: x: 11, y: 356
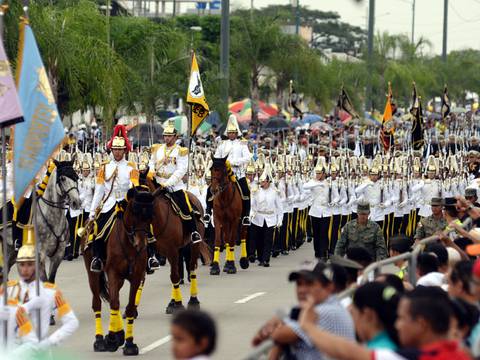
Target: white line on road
x: 155, y: 344
x: 249, y: 297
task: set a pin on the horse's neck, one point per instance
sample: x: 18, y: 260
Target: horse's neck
x: 51, y: 194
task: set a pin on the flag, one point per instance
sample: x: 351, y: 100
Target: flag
x: 196, y: 97
x: 293, y: 100
x: 42, y: 131
x: 10, y: 109
x: 388, y: 128
x: 345, y: 104
x: 445, y: 103
x: 417, y: 126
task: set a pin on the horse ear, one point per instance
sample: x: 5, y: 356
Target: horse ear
x: 131, y: 193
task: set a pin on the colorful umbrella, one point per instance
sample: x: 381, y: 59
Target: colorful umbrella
x: 243, y: 110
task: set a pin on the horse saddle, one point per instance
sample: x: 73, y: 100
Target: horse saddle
x: 241, y: 192
x: 178, y: 210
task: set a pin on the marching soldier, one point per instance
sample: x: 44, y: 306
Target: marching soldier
x: 238, y: 155
x: 362, y: 232
x: 431, y: 188
x: 114, y: 179
x: 170, y: 162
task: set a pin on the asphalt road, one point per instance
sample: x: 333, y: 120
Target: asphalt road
x: 239, y: 303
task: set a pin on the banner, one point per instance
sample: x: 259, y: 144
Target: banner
x: 196, y: 97
x: 417, y: 126
x: 388, y: 127
x: 42, y: 131
x: 10, y: 109
x: 445, y: 103
x: 346, y: 105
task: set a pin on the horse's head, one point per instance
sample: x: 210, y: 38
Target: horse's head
x: 67, y: 184
x: 138, y: 216
x: 219, y: 174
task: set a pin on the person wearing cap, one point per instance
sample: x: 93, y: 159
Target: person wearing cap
x: 267, y: 215
x: 471, y: 195
x: 362, y: 232
x: 238, y: 156
x: 450, y: 213
x: 375, y: 192
x: 313, y: 280
x: 433, y: 223
x: 431, y: 188
x: 114, y: 179
x: 49, y: 301
x: 169, y: 162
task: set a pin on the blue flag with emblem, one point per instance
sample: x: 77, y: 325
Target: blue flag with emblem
x: 42, y: 132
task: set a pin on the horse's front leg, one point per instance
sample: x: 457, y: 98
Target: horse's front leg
x: 215, y: 266
x: 130, y: 347
x: 175, y: 303
x: 230, y: 235
x: 55, y: 263
x: 116, y: 334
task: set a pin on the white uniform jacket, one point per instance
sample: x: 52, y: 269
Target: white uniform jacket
x: 170, y: 165
x: 267, y: 207
x: 237, y: 153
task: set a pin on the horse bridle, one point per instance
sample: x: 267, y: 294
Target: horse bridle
x: 64, y: 193
x: 222, y: 183
x: 131, y: 233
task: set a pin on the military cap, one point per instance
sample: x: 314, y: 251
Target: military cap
x: 436, y: 201
x: 469, y: 192
x: 450, y: 201
x: 312, y: 270
x: 344, y: 262
x: 363, y: 207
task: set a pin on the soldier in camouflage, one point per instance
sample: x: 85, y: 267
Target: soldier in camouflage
x: 430, y: 225
x: 362, y: 232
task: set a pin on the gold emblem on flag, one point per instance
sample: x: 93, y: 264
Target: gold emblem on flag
x: 44, y: 85
x: 4, y: 68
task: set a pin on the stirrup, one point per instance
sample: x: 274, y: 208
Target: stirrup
x: 153, y: 263
x: 206, y: 219
x: 196, y: 238
x: 96, y: 265
x: 246, y: 221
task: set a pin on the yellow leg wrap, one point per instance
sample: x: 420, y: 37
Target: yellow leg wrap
x: 231, y: 253
x: 176, y: 294
x: 243, y: 248
x: 98, y: 323
x: 227, y: 252
x: 330, y: 226
x: 114, y: 323
x: 216, y: 254
x: 193, y: 284
x: 138, y: 295
x: 129, y: 332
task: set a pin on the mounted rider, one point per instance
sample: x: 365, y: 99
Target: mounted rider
x: 114, y: 179
x: 169, y: 164
x: 238, y: 156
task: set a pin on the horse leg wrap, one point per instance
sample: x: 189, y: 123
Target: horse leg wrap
x: 129, y: 332
x: 193, y: 285
x: 176, y: 294
x: 243, y: 248
x: 98, y: 323
x: 115, y: 321
x: 216, y: 254
x: 227, y: 252
x: 231, y: 253
x: 138, y: 295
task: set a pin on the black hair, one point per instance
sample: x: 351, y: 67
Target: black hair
x: 440, y: 251
x: 433, y: 305
x: 340, y: 277
x: 462, y: 272
x: 400, y: 243
x: 383, y: 300
x: 199, y: 325
x: 427, y: 263
x: 451, y: 210
x: 393, y: 281
x: 466, y: 314
x: 463, y: 242
x: 360, y: 255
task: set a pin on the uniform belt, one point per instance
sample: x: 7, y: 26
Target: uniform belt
x: 164, y: 175
x: 266, y: 212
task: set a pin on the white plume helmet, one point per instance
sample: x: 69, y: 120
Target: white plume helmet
x: 267, y: 173
x: 232, y: 125
x: 321, y: 164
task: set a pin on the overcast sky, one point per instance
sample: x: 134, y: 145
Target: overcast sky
x: 396, y: 17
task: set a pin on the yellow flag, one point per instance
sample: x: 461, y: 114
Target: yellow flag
x: 196, y: 97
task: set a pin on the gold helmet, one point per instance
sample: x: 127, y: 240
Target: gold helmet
x: 232, y: 125
x: 250, y: 168
x: 27, y: 252
x: 321, y: 164
x: 170, y: 129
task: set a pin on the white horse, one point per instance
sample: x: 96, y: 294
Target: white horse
x: 50, y: 219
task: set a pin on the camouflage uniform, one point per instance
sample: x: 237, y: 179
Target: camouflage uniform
x: 428, y: 226
x: 369, y: 237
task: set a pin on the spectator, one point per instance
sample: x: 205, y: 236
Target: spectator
x: 442, y: 256
x: 460, y: 280
x: 427, y: 270
x: 194, y: 335
x: 393, y: 281
x: 465, y: 317
x: 398, y: 245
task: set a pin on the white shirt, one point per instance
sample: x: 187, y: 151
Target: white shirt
x: 170, y: 165
x: 237, y: 153
x: 267, y: 207
x: 319, y: 190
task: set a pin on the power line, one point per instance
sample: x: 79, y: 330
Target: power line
x: 475, y: 19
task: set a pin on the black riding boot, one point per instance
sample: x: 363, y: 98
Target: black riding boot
x: 152, y: 262
x: 207, y: 217
x: 245, y: 203
x: 97, y: 263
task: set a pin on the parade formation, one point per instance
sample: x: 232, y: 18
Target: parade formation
x: 386, y: 213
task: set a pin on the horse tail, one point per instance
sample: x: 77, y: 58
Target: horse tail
x: 104, y: 287
x: 204, y: 252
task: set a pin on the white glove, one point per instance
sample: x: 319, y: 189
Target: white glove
x: 4, y: 313
x: 91, y: 216
x: 45, y: 344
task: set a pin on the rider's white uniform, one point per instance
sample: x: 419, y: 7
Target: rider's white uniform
x: 170, y: 165
x: 237, y: 154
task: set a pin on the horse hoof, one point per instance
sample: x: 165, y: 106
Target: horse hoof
x: 52, y: 320
x: 130, y: 348
x: 174, y: 307
x: 120, y: 337
x: 193, y: 304
x: 111, y: 342
x: 214, y: 269
x: 231, y: 268
x: 99, y: 344
x: 244, y: 264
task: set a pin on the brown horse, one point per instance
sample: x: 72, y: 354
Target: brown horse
x: 126, y: 260
x: 227, y: 211
x: 171, y: 236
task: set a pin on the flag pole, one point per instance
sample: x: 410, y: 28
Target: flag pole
x: 190, y: 125
x: 4, y: 210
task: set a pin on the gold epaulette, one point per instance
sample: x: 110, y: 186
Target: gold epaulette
x: 244, y: 141
x: 183, y: 151
x: 12, y: 283
x: 132, y: 164
x: 155, y: 147
x: 49, y: 285
x: 105, y: 162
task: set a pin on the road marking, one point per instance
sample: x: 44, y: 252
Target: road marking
x: 155, y: 344
x: 249, y: 297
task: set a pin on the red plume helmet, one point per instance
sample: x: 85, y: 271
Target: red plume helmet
x: 119, y: 133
